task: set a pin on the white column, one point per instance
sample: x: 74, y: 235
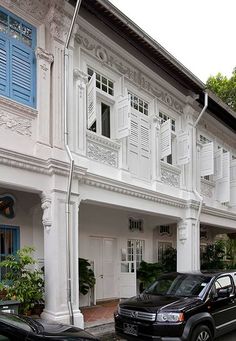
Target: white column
x: 55, y: 255
x: 44, y: 61
x: 188, y: 245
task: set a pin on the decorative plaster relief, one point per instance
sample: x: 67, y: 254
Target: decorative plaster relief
x: 38, y: 9
x: 15, y: 124
x: 46, y: 204
x: 108, y: 57
x: 102, y: 154
x: 207, y: 188
x: 43, y: 54
x: 170, y: 176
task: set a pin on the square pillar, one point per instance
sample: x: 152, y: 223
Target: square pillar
x: 55, y: 256
x: 188, y: 245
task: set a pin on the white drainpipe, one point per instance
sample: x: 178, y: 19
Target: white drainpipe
x: 66, y: 134
x: 195, y: 153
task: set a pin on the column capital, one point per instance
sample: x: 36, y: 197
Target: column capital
x: 44, y: 55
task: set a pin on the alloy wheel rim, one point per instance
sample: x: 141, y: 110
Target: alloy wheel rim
x: 203, y: 336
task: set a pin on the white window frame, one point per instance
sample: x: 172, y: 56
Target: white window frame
x: 172, y: 158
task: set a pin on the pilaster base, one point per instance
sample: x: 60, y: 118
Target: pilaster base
x: 64, y: 317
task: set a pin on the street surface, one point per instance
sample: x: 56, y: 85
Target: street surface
x: 227, y: 337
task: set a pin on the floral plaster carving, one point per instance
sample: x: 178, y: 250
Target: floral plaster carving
x: 16, y: 124
x: 170, y: 177
x: 38, y: 9
x: 132, y: 73
x: 207, y: 189
x: 102, y: 154
x: 81, y: 79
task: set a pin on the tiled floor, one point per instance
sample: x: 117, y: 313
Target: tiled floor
x: 100, y: 314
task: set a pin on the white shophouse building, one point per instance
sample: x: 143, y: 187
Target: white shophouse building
x: 142, y: 161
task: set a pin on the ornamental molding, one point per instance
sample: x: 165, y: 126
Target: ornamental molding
x: 15, y: 123
x: 216, y: 212
x: 16, y: 108
x: 81, y: 80
x: 39, y: 166
x: 37, y: 9
x: 58, y: 22
x: 111, y: 58
x: 134, y: 191
x: 44, y: 55
x: 170, y: 175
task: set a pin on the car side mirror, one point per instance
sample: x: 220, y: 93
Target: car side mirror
x: 224, y: 292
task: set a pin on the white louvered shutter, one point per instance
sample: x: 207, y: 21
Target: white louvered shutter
x: 233, y: 183
x: 91, y: 100
x: 4, y: 66
x: 166, y: 139
x: 145, y: 163
x: 223, y: 184
x: 218, y: 164
x: 207, y: 159
x: 123, y: 118
x: 134, y: 144
x: 183, y: 148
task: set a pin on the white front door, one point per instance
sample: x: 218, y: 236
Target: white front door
x: 103, y: 252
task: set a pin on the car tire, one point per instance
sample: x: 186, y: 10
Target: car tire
x: 201, y: 333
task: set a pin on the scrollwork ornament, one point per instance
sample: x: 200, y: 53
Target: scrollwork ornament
x: 46, y: 204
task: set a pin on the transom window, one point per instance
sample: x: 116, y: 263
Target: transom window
x: 138, y: 104
x: 17, y: 59
x: 16, y: 29
x: 204, y: 140
x: 165, y: 117
x: 102, y: 82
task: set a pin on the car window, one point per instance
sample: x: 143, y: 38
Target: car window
x: 15, y: 321
x: 179, y: 285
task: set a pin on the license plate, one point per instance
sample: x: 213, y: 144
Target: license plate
x: 130, y: 329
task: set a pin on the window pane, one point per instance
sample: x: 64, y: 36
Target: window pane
x: 105, y: 120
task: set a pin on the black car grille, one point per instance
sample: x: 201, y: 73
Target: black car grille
x: 139, y: 315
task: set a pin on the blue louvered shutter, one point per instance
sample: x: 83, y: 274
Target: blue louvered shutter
x: 22, y: 73
x: 4, y: 66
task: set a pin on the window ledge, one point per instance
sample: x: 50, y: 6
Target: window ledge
x: 18, y: 109
x: 170, y: 167
x: 103, y: 140
x: 210, y: 183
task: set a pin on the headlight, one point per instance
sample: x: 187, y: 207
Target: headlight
x: 170, y: 317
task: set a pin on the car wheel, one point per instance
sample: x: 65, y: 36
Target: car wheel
x: 201, y: 333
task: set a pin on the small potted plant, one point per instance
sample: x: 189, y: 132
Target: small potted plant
x: 21, y: 281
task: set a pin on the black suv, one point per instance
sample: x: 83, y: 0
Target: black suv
x: 179, y: 307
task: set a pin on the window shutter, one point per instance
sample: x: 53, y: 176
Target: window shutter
x: 134, y: 145
x: 166, y: 138
x: 223, y: 184
x: 233, y: 183
x: 4, y: 66
x: 218, y: 164
x: 207, y: 159
x: 123, y: 117
x: 91, y: 100
x: 22, y: 74
x: 144, y: 149
x: 183, y: 148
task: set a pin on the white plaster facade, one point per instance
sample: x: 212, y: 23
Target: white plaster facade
x: 125, y: 186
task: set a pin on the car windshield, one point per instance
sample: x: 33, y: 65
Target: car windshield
x: 179, y: 285
x: 15, y: 321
